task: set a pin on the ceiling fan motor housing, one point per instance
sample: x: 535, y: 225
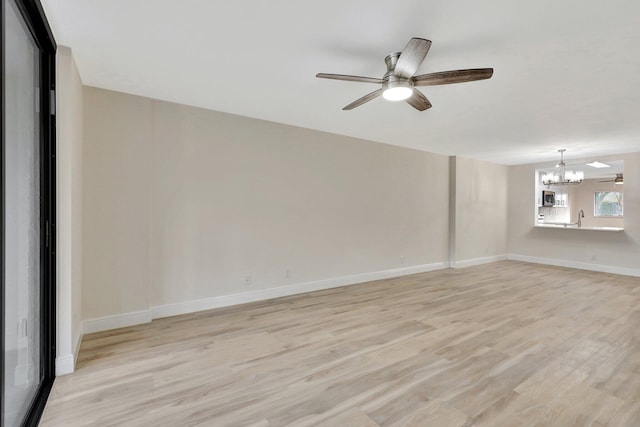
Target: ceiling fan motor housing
x: 391, y: 60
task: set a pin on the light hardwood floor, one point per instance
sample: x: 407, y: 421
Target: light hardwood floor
x: 502, y: 344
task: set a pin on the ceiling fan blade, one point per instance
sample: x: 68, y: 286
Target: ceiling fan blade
x: 411, y: 57
x: 419, y: 101
x: 349, y: 78
x: 455, y: 76
x: 360, y: 101
x: 618, y: 178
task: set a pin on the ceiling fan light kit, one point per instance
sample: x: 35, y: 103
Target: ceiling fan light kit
x: 399, y: 82
x: 397, y: 90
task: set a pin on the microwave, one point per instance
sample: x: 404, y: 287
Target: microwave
x: 548, y: 198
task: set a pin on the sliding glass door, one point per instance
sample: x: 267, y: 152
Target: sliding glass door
x: 27, y: 231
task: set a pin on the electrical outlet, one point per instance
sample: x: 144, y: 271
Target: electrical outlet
x: 287, y: 273
x: 247, y: 281
x: 401, y: 260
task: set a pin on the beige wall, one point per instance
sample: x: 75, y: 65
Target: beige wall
x: 617, y: 249
x: 480, y: 209
x: 184, y: 203
x: 117, y: 152
x: 69, y: 113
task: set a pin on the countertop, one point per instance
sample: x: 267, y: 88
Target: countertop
x: 574, y: 226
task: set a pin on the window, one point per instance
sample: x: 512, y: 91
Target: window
x: 607, y: 203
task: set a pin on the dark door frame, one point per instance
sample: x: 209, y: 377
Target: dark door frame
x: 36, y: 21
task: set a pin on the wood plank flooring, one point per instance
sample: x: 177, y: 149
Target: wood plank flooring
x: 502, y: 344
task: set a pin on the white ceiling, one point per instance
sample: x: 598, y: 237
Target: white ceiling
x: 567, y: 73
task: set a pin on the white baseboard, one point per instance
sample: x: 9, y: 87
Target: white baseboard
x: 175, y: 309
x: 65, y: 364
x: 167, y: 310
x: 184, y: 307
x: 76, y: 347
x: 106, y: 323
x: 625, y: 271
x: 478, y: 261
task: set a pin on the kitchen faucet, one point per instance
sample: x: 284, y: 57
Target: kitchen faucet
x: 580, y: 216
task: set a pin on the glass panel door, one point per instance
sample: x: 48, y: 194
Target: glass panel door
x: 22, y: 233
x: 27, y: 207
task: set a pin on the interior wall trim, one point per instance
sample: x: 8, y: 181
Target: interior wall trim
x: 602, y: 268
x: 167, y: 310
x: 477, y: 261
x: 76, y: 345
x: 123, y: 320
x: 185, y: 307
x: 155, y: 312
x: 65, y: 364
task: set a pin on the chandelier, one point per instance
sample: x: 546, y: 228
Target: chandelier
x: 562, y: 176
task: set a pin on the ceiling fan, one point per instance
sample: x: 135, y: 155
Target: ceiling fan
x: 617, y: 180
x: 399, y: 82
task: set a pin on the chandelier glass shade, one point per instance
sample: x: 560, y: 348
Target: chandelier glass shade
x: 562, y: 176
